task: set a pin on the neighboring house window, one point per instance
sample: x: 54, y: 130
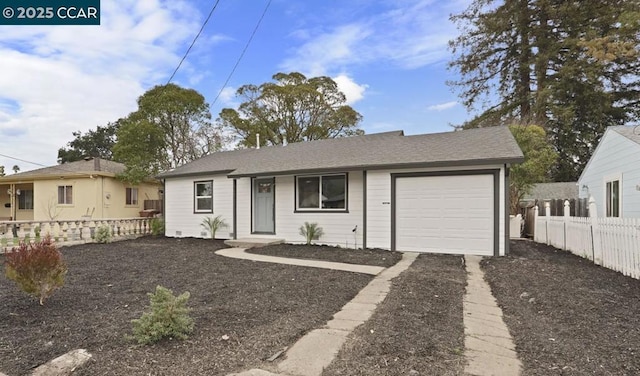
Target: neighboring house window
x: 327, y: 192
x: 25, y: 200
x: 203, y: 192
x: 132, y: 196
x: 613, y: 198
x: 65, y: 195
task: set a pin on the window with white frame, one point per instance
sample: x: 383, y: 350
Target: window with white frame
x: 131, y: 196
x: 612, y: 197
x: 321, y: 192
x: 65, y: 195
x: 203, y: 196
x: 25, y: 200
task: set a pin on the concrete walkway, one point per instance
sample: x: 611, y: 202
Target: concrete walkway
x: 239, y: 253
x: 317, y: 349
x: 489, y: 348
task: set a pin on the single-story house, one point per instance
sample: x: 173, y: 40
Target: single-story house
x: 441, y: 192
x: 73, y: 190
x: 612, y: 175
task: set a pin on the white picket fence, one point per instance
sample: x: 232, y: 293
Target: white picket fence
x: 611, y: 242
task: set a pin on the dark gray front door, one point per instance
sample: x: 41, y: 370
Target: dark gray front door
x: 263, y: 205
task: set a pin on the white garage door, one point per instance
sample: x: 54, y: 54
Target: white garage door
x: 445, y: 214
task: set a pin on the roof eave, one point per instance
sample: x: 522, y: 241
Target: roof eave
x: 170, y: 175
x: 396, y: 166
x: 77, y: 175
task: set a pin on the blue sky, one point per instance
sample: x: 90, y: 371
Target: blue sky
x: 388, y: 56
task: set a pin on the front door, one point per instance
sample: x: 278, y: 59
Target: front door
x: 263, y: 206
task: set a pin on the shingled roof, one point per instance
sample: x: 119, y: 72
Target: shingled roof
x: 90, y: 166
x: 632, y: 133
x: 375, y: 151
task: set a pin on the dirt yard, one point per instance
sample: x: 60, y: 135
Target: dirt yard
x: 261, y: 307
x: 418, y: 327
x: 567, y: 315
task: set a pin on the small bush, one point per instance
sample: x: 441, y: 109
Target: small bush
x: 37, y: 268
x: 157, y: 226
x: 103, y: 234
x: 168, y: 316
x: 213, y: 225
x: 311, y: 231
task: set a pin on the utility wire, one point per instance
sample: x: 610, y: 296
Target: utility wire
x: 57, y: 167
x: 226, y: 82
x: 215, y: 5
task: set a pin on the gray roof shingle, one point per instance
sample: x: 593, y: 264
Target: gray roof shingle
x: 548, y: 191
x: 82, y: 167
x: 375, y: 151
x: 632, y: 133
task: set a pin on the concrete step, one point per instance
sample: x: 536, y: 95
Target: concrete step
x: 252, y: 242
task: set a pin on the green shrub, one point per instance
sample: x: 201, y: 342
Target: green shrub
x: 157, y: 226
x: 213, y: 225
x: 37, y: 268
x: 168, y: 316
x: 103, y: 234
x: 311, y: 231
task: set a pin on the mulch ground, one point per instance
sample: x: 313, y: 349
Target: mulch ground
x: 418, y: 327
x: 567, y: 315
x: 261, y: 307
x: 374, y: 257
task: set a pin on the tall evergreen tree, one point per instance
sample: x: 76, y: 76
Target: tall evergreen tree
x: 568, y: 65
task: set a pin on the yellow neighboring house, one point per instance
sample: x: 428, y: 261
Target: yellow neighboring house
x: 75, y: 190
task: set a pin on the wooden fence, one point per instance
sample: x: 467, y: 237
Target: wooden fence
x: 577, y: 208
x: 611, y: 242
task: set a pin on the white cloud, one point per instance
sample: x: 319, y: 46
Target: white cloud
x: 62, y: 79
x: 442, y: 106
x: 410, y: 35
x: 353, y: 91
x: 228, y: 97
x: 333, y: 48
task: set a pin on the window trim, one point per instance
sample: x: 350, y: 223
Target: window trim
x: 296, y: 207
x: 65, y: 203
x: 131, y: 204
x: 196, y: 197
x: 608, y: 199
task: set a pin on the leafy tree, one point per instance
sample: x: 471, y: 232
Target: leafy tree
x: 140, y: 147
x: 171, y: 127
x: 15, y: 169
x: 539, y: 156
x: 569, y: 66
x: 95, y: 143
x: 293, y: 108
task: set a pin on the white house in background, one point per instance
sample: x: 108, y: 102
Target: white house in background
x: 612, y: 175
x: 441, y: 192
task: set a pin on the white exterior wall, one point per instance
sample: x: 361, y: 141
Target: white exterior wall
x: 616, y: 157
x: 180, y: 219
x: 379, y: 204
x: 337, y: 226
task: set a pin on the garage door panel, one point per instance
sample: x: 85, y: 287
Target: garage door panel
x: 448, y: 214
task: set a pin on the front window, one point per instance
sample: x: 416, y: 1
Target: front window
x: 65, y: 195
x: 203, y: 193
x: 131, y: 196
x: 25, y: 200
x: 613, y: 198
x: 326, y: 192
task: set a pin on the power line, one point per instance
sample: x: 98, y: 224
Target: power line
x: 193, y: 42
x: 41, y: 165
x: 226, y: 82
